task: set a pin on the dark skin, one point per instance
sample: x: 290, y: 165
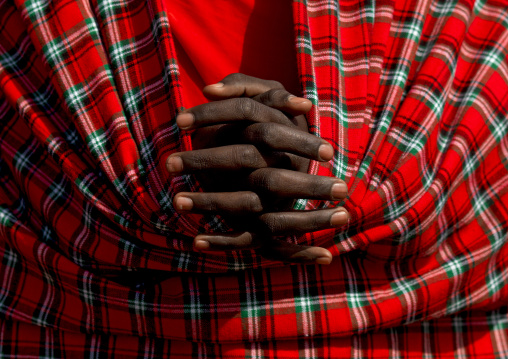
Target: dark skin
x: 251, y: 154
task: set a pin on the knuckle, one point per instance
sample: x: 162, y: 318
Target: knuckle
x: 247, y: 156
x: 321, y: 186
x: 253, y: 203
x: 247, y: 108
x: 275, y: 84
x: 316, y: 186
x: 262, y: 179
x: 274, y: 97
x: 235, y: 77
x: 279, y: 96
x: 264, y: 133
x: 275, y: 223
x: 270, y: 134
x: 199, y: 161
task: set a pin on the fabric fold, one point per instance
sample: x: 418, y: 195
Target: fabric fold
x: 413, y: 96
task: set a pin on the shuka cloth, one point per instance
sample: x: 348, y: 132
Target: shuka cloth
x: 413, y: 95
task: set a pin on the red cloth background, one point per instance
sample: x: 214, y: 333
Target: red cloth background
x: 216, y: 38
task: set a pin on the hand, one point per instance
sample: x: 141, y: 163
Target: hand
x: 250, y: 150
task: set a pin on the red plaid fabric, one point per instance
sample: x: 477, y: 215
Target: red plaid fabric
x: 94, y: 259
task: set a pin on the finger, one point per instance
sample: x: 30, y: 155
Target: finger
x: 230, y: 241
x: 293, y: 253
x: 234, y: 158
x: 284, y: 223
x: 271, y: 248
x: 228, y: 111
x: 271, y: 225
x: 274, y: 136
x: 269, y: 93
x: 267, y: 136
x: 227, y: 168
x: 239, y: 85
x: 282, y: 100
x: 291, y: 184
x: 237, y: 203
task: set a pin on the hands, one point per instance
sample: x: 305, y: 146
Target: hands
x: 252, y: 151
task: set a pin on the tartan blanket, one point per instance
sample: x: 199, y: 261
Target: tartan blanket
x: 413, y: 95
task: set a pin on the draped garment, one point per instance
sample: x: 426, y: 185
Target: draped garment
x: 413, y: 95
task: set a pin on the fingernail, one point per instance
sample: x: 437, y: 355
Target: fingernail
x: 185, y: 120
x: 323, y: 260
x: 339, y: 191
x: 201, y: 245
x: 217, y: 85
x: 339, y: 218
x: 297, y: 100
x: 325, y: 152
x: 184, y: 203
x: 174, y: 164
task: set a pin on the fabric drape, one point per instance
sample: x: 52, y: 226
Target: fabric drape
x: 413, y: 95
